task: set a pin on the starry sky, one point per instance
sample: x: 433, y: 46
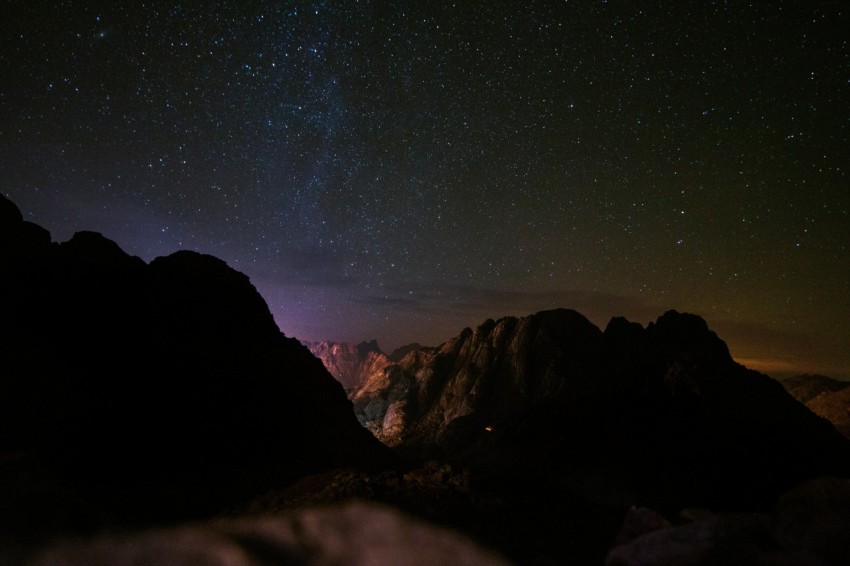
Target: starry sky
x: 400, y: 170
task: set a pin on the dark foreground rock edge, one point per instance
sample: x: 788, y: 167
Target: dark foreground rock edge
x: 134, y: 393
x: 351, y: 534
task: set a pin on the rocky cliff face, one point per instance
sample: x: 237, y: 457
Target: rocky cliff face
x: 150, y: 391
x: 357, y: 534
x: 351, y: 364
x: 661, y: 413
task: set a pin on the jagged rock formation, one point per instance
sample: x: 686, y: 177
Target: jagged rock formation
x: 659, y: 414
x: 402, y: 351
x: 355, y: 365
x: 134, y: 392
x: 371, y: 379
x: 352, y: 365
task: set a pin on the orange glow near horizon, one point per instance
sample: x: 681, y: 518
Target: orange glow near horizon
x: 770, y: 366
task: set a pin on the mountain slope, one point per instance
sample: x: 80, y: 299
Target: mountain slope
x: 153, y: 391
x: 804, y: 388
x: 659, y: 414
x: 826, y: 397
x: 352, y: 365
x: 835, y: 407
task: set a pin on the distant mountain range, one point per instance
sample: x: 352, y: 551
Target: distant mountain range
x: 662, y: 413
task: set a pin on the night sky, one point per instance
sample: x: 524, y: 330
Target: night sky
x: 400, y: 170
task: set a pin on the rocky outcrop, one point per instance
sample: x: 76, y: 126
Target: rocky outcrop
x: 357, y: 534
x: 374, y: 381
x: 660, y: 414
x: 136, y: 392
x: 351, y: 364
x: 402, y: 351
x: 808, y: 526
x: 355, y: 365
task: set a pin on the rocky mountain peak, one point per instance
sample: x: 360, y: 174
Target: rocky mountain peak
x: 19, y: 239
x: 152, y: 391
x: 351, y: 364
x: 10, y: 214
x: 399, y: 353
x: 668, y: 395
x: 677, y: 332
x: 371, y: 346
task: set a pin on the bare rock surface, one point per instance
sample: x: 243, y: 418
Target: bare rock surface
x: 355, y: 534
x: 808, y: 527
x: 351, y: 364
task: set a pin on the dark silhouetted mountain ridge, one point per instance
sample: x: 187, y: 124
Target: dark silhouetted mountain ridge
x: 151, y: 391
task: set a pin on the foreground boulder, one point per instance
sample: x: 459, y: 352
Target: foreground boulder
x: 349, y: 535
x: 808, y: 526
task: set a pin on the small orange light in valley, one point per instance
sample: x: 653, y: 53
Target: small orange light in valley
x: 488, y: 428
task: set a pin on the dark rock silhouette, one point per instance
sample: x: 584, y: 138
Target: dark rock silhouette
x: 402, y: 351
x: 132, y: 393
x: 18, y: 237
